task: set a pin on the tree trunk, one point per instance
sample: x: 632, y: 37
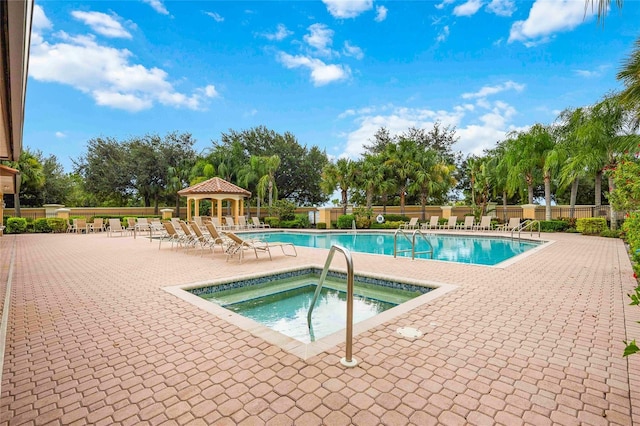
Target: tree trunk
x: 504, y: 206
x: 402, y: 196
x: 574, y: 197
x: 369, y: 199
x: 177, y: 205
x: 547, y: 196
x: 598, y: 190
x: 423, y: 203
x: 612, y: 212
x: 385, y: 198
x: 16, y: 196
x: 344, y: 201
x: 258, y: 208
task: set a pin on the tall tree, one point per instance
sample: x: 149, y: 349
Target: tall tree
x: 268, y: 180
x: 30, y: 180
x: 401, y: 159
x: 339, y: 175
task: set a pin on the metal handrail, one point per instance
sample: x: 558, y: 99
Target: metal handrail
x: 524, y: 225
x: 348, y: 360
x: 411, y: 241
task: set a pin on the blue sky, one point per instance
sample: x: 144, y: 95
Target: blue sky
x: 330, y: 72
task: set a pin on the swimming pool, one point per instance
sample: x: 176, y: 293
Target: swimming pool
x: 453, y: 248
x: 282, y: 302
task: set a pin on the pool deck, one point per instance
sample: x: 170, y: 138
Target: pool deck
x: 93, y: 338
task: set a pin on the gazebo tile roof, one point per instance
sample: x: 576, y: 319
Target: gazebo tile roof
x: 214, y: 185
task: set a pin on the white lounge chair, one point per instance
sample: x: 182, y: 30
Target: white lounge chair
x: 451, y: 224
x: 413, y: 222
x: 239, y: 245
x: 116, y: 226
x: 469, y: 222
x: 485, y: 224
x: 432, y: 224
x: 513, y: 223
x: 258, y: 224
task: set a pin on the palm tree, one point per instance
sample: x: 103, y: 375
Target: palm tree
x: 630, y: 76
x: 602, y: 6
x: 371, y: 175
x: 178, y: 178
x: 401, y: 159
x: 31, y: 175
x: 267, y: 181
x: 341, y: 175
x: 251, y: 173
x: 432, y: 175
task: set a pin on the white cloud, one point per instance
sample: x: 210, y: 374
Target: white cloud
x: 501, y: 7
x: 281, y: 33
x: 468, y: 9
x: 320, y: 38
x: 102, y: 23
x: 347, y: 9
x: 216, y: 16
x: 478, y: 126
x: 599, y: 71
x: 353, y: 51
x: 107, y: 74
x: 321, y: 73
x: 381, y: 13
x: 492, y: 90
x: 444, y: 3
x: 40, y: 22
x: 60, y: 135
x: 547, y: 17
x: 158, y: 6
x: 444, y: 34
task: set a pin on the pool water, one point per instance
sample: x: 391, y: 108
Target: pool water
x: 283, y: 304
x: 454, y: 248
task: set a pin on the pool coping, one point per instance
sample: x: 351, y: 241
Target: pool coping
x: 289, y: 344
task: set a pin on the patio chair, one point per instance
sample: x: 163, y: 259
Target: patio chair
x: 97, y: 225
x: 217, y: 238
x: 413, y: 222
x: 171, y: 235
x: 230, y: 223
x: 451, y: 224
x: 513, y: 223
x: 116, y: 226
x: 239, y: 245
x: 216, y: 222
x: 258, y: 224
x: 242, y: 223
x: 485, y: 224
x: 131, y: 224
x: 142, y: 224
x: 190, y: 238
x: 79, y: 226
x: 469, y: 222
x: 201, y: 238
x: 432, y: 224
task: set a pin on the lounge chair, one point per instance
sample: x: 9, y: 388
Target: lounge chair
x: 413, y: 222
x: 116, y: 226
x: 258, y: 224
x: 79, y: 226
x: 171, y: 235
x: 142, y: 224
x: 189, y: 237
x: 230, y: 224
x: 485, y: 224
x: 432, y: 224
x: 242, y: 223
x: 451, y: 224
x: 216, y: 238
x: 97, y: 225
x: 469, y: 222
x: 513, y: 223
x: 239, y: 245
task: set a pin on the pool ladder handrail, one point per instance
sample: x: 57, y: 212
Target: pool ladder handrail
x: 524, y: 225
x: 348, y: 360
x: 412, y: 241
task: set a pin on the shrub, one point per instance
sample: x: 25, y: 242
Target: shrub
x: 345, y: 221
x: 284, y: 209
x: 300, y: 221
x: 631, y: 228
x: 273, y: 222
x: 553, y: 225
x: 396, y: 218
x: 41, y: 225
x: 591, y: 225
x: 321, y: 225
x: 57, y: 224
x: 611, y: 233
x: 386, y: 225
x: 363, y: 217
x: 16, y: 225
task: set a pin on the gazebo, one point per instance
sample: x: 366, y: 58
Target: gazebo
x: 215, y: 189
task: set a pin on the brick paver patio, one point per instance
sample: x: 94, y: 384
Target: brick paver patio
x: 93, y: 339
